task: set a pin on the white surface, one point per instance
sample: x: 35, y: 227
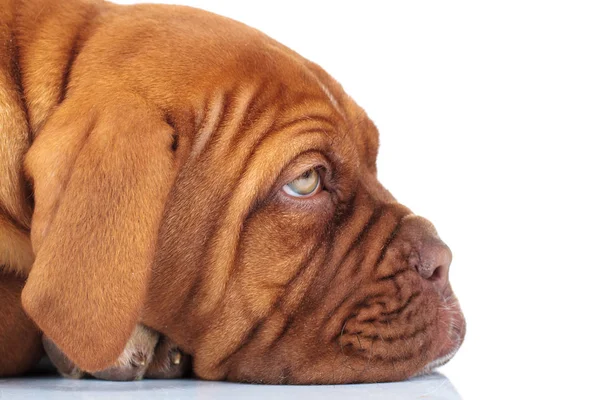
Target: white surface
x: 489, y: 114
x: 434, y: 387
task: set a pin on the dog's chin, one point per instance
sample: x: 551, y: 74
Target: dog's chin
x: 452, y: 334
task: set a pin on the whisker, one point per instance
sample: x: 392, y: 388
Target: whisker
x: 345, y: 362
x: 341, y: 335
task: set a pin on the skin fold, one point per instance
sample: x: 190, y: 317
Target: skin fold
x: 144, y: 154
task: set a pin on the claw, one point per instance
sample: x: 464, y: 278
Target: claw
x: 169, y: 362
x: 176, y: 358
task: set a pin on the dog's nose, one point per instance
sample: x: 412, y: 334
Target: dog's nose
x: 434, y: 264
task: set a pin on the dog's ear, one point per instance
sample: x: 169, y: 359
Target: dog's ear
x: 101, y: 177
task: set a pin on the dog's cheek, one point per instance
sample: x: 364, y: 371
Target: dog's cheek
x: 275, y: 243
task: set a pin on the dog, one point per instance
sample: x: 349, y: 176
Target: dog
x: 175, y: 182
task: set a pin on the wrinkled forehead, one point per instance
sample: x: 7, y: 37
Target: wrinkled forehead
x: 303, y: 77
x: 300, y: 97
x: 356, y: 127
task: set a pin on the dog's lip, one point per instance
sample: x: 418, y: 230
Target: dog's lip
x: 439, y: 361
x: 455, y: 339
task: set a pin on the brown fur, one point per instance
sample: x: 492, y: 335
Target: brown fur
x: 156, y: 140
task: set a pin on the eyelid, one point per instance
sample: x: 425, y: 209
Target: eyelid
x: 302, y: 164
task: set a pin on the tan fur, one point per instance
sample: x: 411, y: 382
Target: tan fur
x: 20, y: 344
x: 15, y: 248
x: 156, y: 140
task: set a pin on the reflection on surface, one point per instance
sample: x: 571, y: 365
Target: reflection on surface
x: 431, y: 387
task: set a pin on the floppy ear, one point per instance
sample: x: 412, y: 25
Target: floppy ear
x: 101, y: 179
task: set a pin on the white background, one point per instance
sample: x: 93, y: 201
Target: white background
x: 489, y: 114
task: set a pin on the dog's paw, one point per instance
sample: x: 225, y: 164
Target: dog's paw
x: 64, y: 365
x: 169, y: 361
x: 131, y: 365
x: 135, y: 359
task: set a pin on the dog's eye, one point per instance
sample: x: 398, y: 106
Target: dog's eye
x: 306, y: 185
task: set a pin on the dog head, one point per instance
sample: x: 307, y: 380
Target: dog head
x: 207, y: 180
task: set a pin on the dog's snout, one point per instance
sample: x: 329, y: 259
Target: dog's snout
x: 428, y: 254
x: 435, y: 258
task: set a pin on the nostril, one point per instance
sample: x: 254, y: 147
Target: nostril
x: 437, y: 274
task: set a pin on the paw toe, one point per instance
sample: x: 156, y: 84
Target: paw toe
x: 131, y: 372
x: 64, y: 366
x: 169, y: 361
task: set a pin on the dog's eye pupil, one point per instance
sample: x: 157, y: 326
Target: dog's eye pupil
x: 307, y: 184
